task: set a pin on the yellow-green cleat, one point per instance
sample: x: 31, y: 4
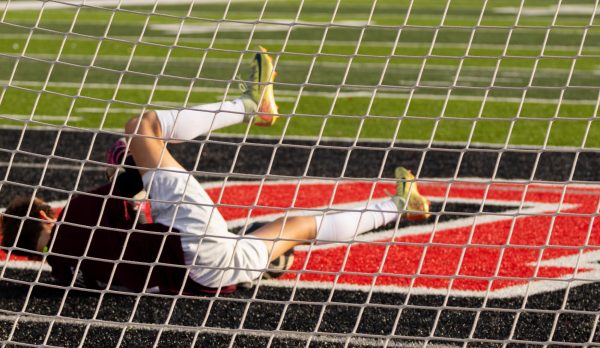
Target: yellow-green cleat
x: 259, y: 92
x: 410, y: 202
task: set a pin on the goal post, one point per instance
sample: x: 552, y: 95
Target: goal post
x: 493, y: 105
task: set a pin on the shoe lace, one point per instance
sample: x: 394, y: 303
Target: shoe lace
x: 243, y: 86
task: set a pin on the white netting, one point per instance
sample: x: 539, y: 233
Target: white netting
x: 493, y: 106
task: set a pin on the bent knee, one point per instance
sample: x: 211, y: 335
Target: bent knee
x: 147, y: 124
x: 300, y: 222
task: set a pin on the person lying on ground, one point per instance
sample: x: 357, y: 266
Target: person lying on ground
x: 98, y: 240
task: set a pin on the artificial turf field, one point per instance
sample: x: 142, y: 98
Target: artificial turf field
x: 450, y: 103
x: 437, y: 73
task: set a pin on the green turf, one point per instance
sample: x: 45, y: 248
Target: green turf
x: 540, y: 89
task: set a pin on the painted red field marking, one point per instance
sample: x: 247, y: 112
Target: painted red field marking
x: 438, y: 252
x: 440, y: 262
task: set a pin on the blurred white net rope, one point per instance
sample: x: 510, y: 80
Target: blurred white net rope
x: 133, y: 72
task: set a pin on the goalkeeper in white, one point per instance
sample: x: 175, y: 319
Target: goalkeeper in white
x: 188, y: 239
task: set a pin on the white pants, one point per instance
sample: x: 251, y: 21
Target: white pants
x: 216, y: 256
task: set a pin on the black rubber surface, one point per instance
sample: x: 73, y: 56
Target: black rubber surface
x: 222, y: 157
x: 458, y: 319
x: 554, y: 318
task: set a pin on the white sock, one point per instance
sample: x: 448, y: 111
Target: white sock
x: 199, y: 120
x: 340, y: 227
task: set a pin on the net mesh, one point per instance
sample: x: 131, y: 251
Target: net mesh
x: 493, y: 105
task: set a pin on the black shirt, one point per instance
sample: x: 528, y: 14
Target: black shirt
x: 144, y: 257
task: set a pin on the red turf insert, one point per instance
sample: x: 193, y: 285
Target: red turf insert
x: 478, y: 257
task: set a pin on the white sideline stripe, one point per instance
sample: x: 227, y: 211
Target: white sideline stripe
x: 85, y: 168
x: 115, y: 110
x: 25, y: 265
x: 41, y: 117
x: 34, y: 5
x: 550, y: 10
x: 273, y: 25
x: 585, y: 260
x: 382, y: 95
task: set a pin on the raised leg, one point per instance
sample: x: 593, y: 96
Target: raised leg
x: 147, y: 145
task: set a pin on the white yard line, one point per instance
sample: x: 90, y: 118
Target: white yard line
x: 25, y: 265
x: 272, y: 25
x: 39, y: 117
x: 112, y: 110
x: 585, y: 10
x: 86, y: 168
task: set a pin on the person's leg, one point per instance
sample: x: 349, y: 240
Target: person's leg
x: 147, y: 146
x: 257, y: 102
x: 154, y: 127
x: 285, y: 233
x: 345, y: 226
x: 179, y: 201
x: 187, y: 124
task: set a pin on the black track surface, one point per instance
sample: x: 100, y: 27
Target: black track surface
x: 533, y: 318
x: 222, y: 157
x: 554, y: 318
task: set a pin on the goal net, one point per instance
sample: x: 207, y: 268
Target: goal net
x: 493, y: 105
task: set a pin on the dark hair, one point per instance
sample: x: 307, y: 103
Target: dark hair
x: 30, y: 229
